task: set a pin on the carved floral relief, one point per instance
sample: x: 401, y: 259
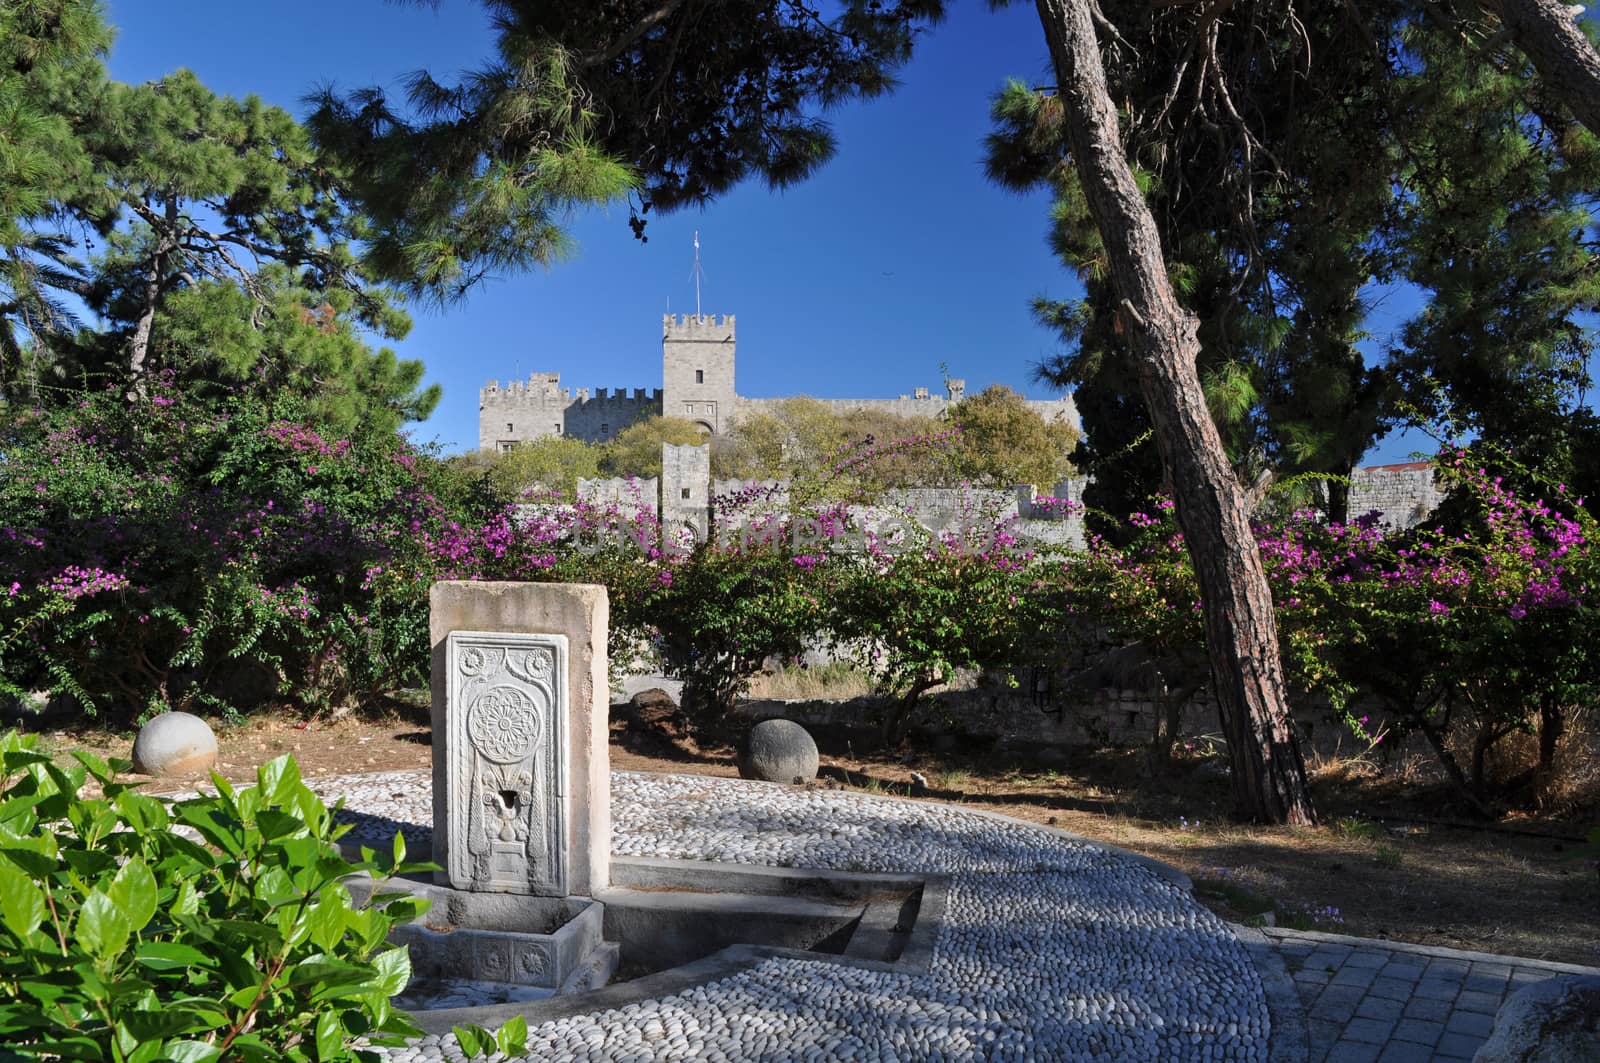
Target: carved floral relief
x: 505, y: 718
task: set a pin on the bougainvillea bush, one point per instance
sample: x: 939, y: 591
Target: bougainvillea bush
x: 1481, y: 623
x: 1486, y: 621
x: 167, y: 553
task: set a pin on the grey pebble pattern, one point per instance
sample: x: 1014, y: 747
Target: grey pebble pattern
x: 1051, y: 948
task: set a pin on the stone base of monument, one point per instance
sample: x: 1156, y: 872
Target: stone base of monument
x: 533, y: 947
x: 662, y: 925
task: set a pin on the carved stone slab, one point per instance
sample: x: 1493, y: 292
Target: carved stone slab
x: 506, y: 714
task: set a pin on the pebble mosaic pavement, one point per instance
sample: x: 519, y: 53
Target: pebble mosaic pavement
x: 1052, y: 948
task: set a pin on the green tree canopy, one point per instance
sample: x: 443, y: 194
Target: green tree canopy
x: 1005, y: 441
x: 216, y: 335
x: 46, y: 48
x: 554, y: 463
x: 676, y: 101
x: 636, y: 450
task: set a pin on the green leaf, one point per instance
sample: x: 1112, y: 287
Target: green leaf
x: 202, y: 817
x: 86, y: 1048
x: 323, y: 973
x: 277, y: 777
x: 274, y: 887
x: 186, y: 901
x: 472, y: 1039
x: 33, y: 855
x: 22, y: 906
x: 275, y: 824
x: 147, y: 1052
x: 326, y: 922
x: 512, y: 1037
x: 192, y: 1052
x: 170, y: 955
x: 134, y: 891
x: 102, y: 927
x: 157, y: 1026
x: 394, y: 970
x: 330, y: 1035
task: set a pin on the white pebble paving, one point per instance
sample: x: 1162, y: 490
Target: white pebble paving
x: 1050, y: 949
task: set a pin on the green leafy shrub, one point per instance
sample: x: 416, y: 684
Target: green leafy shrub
x: 162, y: 554
x: 215, y: 927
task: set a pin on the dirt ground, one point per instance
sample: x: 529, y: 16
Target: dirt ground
x: 1383, y: 864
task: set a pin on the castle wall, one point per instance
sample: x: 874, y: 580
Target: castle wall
x: 1405, y: 494
x: 540, y: 408
x: 521, y: 411
x: 686, y: 489
x: 599, y: 416
x: 921, y: 403
x: 628, y: 494
x: 697, y: 383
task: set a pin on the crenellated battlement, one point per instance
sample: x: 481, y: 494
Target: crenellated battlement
x: 538, y: 389
x: 703, y: 328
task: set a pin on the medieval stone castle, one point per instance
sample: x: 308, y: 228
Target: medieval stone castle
x: 697, y: 383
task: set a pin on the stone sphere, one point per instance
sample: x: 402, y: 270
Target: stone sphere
x: 1554, y: 1021
x: 779, y: 751
x: 174, y: 743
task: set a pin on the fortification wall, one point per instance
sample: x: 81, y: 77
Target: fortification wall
x: 698, y: 357
x: 521, y: 411
x: 629, y: 493
x: 598, y: 416
x: 540, y: 407
x: 1405, y: 494
x: 686, y: 489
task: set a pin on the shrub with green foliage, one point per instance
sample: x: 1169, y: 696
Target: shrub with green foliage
x: 214, y: 927
x: 175, y: 552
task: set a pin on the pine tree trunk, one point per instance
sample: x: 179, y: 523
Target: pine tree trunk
x: 1552, y: 40
x: 1269, y: 779
x: 155, y: 279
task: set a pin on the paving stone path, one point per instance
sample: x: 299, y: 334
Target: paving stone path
x: 1372, y: 1001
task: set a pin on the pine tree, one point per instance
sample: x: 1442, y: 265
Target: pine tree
x: 44, y: 46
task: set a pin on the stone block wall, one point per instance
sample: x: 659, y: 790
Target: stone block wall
x: 1405, y: 494
x: 600, y: 416
x: 540, y: 408
x: 697, y: 362
x: 630, y: 494
x: 686, y: 489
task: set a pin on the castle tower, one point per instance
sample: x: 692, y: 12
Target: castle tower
x: 697, y: 370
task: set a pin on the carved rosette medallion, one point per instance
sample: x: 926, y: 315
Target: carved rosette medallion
x: 505, y: 722
x: 533, y: 964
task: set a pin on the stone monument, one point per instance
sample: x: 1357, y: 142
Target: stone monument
x: 521, y: 785
x: 521, y: 792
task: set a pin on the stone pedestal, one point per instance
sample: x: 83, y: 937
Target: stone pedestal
x: 521, y: 773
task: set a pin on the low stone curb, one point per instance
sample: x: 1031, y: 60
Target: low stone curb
x: 1435, y: 951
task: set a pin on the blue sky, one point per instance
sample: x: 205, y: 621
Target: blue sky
x: 897, y: 257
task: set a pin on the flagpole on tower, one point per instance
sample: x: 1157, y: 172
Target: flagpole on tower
x: 697, y: 272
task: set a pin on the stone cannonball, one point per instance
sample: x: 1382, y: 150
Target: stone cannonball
x: 174, y: 743
x: 1554, y: 1021
x: 779, y: 751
